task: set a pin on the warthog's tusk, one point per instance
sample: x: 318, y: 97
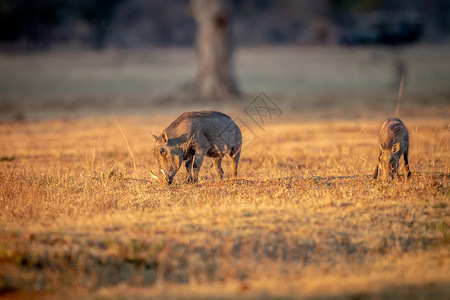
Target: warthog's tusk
x: 153, y: 175
x: 163, y: 172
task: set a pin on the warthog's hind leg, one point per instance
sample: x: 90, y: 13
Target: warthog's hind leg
x: 235, y: 162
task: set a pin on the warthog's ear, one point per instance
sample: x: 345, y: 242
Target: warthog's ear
x: 395, y: 147
x: 164, y: 137
x: 154, y: 137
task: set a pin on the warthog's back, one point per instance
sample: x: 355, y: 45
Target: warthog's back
x: 392, y: 131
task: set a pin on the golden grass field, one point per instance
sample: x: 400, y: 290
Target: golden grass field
x: 304, y: 219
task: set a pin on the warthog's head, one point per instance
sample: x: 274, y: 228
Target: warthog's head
x: 389, y: 161
x: 169, y: 158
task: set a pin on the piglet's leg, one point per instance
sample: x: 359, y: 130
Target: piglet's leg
x: 375, y: 174
x: 405, y: 157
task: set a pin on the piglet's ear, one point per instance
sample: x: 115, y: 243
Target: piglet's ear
x: 164, y: 137
x: 395, y: 147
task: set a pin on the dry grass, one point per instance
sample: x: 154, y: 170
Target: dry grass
x: 304, y: 219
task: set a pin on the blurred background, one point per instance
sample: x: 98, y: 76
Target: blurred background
x: 70, y: 58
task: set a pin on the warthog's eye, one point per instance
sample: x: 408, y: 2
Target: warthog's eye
x: 162, y: 151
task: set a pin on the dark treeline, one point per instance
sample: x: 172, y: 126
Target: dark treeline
x: 39, y: 24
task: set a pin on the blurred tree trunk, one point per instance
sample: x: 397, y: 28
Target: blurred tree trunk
x: 214, y: 76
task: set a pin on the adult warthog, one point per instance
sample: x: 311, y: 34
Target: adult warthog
x: 191, y: 137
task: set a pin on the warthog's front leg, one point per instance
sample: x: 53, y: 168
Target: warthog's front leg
x: 198, y: 160
x: 188, y: 165
x: 218, y: 166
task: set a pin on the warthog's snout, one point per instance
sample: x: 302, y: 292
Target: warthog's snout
x: 167, y: 178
